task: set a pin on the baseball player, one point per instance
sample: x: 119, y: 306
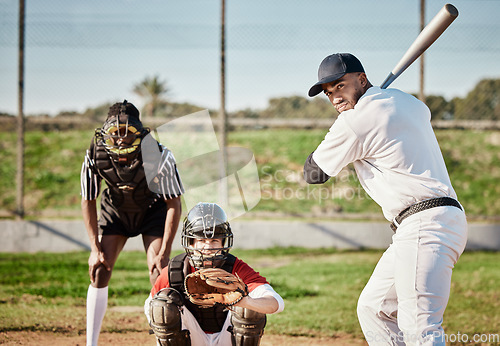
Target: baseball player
x: 177, y: 319
x: 128, y: 206
x: 387, y: 136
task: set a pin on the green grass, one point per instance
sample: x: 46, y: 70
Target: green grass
x: 53, y: 162
x: 46, y: 291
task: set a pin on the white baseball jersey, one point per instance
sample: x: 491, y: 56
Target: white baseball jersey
x: 390, y: 141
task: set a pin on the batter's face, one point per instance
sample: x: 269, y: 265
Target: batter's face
x: 345, y: 92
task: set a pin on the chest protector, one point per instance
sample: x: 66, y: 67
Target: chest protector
x: 210, y: 319
x: 127, y: 194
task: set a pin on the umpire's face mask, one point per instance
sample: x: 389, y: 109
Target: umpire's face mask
x: 122, y: 139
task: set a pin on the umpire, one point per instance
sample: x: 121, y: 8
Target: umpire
x: 388, y: 137
x: 128, y: 206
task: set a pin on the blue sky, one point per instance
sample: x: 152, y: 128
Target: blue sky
x: 80, y: 54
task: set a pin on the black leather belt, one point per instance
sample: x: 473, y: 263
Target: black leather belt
x: 424, y: 205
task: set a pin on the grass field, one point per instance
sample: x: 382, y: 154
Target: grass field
x: 53, y: 162
x: 45, y: 293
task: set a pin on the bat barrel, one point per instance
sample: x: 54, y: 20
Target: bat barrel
x: 429, y: 34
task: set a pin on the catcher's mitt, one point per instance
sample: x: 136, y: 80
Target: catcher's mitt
x: 210, y: 286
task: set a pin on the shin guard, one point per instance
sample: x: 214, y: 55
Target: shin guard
x: 247, y: 327
x: 165, y: 319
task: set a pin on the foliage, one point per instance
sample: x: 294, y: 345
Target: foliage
x: 98, y: 113
x: 152, y: 89
x: 248, y: 113
x: 299, y: 107
x: 46, y: 291
x: 439, y: 107
x: 483, y: 102
x: 176, y: 110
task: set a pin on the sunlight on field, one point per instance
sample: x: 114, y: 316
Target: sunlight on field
x: 44, y: 294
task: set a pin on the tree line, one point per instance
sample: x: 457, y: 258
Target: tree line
x: 481, y: 103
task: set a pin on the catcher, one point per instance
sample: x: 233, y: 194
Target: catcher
x: 207, y: 296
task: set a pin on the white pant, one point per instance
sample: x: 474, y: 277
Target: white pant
x: 199, y: 337
x: 405, y: 298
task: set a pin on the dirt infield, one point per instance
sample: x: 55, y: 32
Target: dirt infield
x: 142, y: 338
x: 125, y: 325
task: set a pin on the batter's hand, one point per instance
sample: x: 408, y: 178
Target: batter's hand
x: 97, y: 259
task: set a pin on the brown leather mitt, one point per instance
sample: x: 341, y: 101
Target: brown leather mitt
x: 210, y: 286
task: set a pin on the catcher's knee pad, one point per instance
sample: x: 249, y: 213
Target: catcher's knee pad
x: 165, y: 318
x: 247, y: 326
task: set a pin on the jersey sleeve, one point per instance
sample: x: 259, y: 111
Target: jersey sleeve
x: 266, y: 290
x: 169, y: 181
x: 340, y: 147
x: 249, y: 276
x: 90, y: 182
x: 257, y: 284
x: 313, y: 174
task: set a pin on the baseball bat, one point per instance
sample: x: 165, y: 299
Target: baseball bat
x: 429, y: 34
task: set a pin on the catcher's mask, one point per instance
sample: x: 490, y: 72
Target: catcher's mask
x: 206, y: 221
x: 122, y: 133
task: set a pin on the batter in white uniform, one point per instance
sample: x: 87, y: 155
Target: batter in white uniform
x: 388, y: 137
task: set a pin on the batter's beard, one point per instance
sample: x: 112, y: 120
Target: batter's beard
x: 358, y: 95
x: 350, y: 104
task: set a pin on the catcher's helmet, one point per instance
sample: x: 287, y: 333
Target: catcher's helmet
x: 206, y: 221
x: 122, y: 133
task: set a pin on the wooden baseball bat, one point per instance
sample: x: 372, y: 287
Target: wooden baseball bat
x: 429, y: 34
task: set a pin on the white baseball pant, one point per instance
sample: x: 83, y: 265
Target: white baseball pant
x: 404, y: 301
x: 198, y: 336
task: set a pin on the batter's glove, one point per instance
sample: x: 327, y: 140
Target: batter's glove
x: 210, y: 286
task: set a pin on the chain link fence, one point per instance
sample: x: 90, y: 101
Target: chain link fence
x: 80, y: 56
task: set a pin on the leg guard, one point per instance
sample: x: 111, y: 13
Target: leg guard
x: 247, y: 327
x: 165, y: 319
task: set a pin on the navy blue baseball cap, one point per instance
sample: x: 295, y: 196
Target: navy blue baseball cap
x: 334, y: 67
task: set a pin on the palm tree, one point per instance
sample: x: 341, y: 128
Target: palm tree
x: 152, y: 89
